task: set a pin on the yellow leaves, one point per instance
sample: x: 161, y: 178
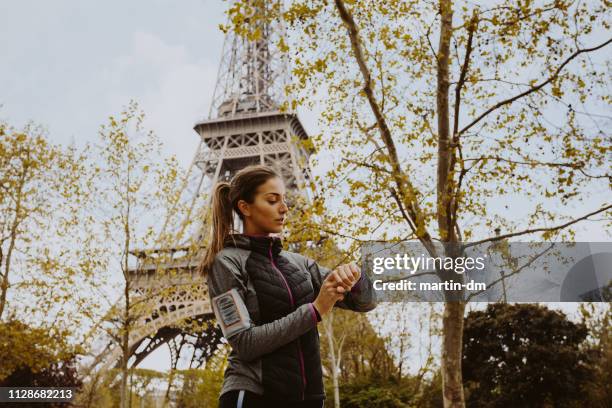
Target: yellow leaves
x: 357, y: 185
x: 320, y: 65
x: 255, y: 35
x: 37, y: 348
x: 548, y: 235
x: 282, y: 45
x: 556, y: 91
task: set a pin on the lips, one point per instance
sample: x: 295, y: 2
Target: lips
x: 280, y: 220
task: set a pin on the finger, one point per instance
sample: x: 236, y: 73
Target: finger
x: 330, y: 277
x: 345, y: 276
x: 338, y: 279
x: 355, y: 271
x: 333, y: 291
x: 331, y: 284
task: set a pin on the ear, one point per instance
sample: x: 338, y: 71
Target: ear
x: 244, y: 208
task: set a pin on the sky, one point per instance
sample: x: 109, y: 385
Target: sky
x: 68, y: 65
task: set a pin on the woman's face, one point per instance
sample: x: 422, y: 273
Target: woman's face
x: 268, y: 211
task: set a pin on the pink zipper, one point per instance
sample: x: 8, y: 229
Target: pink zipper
x: 300, y: 354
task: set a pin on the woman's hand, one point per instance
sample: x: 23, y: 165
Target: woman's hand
x: 329, y: 294
x: 345, y: 276
x: 335, y: 285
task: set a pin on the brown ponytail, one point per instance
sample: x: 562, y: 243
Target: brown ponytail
x: 243, y: 186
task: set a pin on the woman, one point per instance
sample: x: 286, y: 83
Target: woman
x: 268, y: 301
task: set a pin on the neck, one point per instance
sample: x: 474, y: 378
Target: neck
x: 255, y: 233
x: 250, y: 230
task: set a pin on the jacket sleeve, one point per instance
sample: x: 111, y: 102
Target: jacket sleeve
x: 361, y: 298
x: 251, y: 341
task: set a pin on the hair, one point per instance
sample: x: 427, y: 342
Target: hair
x: 225, y: 199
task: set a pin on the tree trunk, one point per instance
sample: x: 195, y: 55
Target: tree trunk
x: 124, y: 356
x: 169, y: 388
x: 452, y: 382
x: 452, y: 321
x: 329, y: 329
x: 4, y: 285
x: 126, y: 277
x: 444, y: 144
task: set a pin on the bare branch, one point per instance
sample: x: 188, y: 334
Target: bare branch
x: 573, y: 165
x: 515, y: 272
x: 531, y: 231
x: 453, y: 204
x: 431, y: 48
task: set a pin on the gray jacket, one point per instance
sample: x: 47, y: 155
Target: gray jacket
x: 262, y: 299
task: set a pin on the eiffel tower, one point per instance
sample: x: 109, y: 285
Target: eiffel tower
x: 245, y: 126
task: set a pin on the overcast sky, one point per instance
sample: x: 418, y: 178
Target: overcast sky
x: 70, y: 64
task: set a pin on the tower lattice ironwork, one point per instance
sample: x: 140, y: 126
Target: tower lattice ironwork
x: 245, y: 126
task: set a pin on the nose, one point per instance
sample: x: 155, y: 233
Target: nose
x: 283, y: 208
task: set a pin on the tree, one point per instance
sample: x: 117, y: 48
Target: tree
x: 142, y: 385
x: 133, y: 187
x: 34, y: 357
x: 433, y: 142
x: 44, y: 277
x: 334, y: 350
x: 351, y: 349
x: 201, y: 387
x: 46, y: 281
x: 96, y: 391
x: 31, y: 348
x: 597, y: 318
x: 408, y: 391
x: 524, y: 355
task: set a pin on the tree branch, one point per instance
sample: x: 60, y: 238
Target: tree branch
x: 401, y: 207
x: 531, y: 231
x: 575, y: 166
x: 535, y: 88
x: 368, y: 165
x: 515, y: 272
x: 466, y: 62
x: 404, y: 186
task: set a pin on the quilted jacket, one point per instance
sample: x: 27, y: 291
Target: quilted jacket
x: 262, y: 298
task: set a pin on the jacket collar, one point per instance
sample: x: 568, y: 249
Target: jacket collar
x: 262, y: 244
